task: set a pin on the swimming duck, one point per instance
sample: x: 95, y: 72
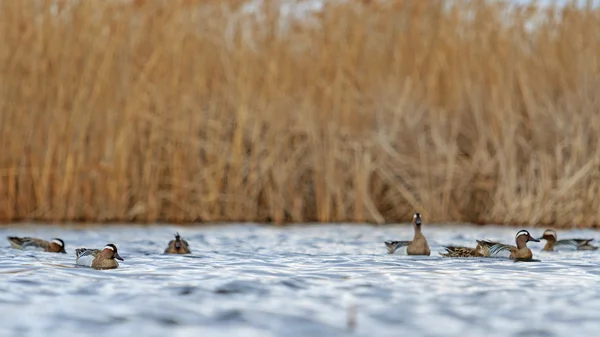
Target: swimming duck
x: 98, y: 259
x: 178, y: 246
x: 577, y: 244
x: 417, y: 246
x: 461, y: 251
x: 518, y: 252
x: 55, y: 245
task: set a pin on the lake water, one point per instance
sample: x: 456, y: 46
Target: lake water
x: 319, y: 280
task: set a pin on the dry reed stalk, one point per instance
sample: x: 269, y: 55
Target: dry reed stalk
x: 365, y: 111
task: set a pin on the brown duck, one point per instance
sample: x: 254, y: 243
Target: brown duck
x: 552, y: 242
x: 519, y: 252
x: 98, y: 259
x: 55, y: 245
x: 178, y: 246
x: 417, y: 246
x: 461, y: 251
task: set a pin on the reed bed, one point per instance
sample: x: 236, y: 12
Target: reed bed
x: 364, y: 111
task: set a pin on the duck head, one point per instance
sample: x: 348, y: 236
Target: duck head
x: 549, y: 235
x: 523, y: 237
x: 417, y: 220
x: 110, y: 252
x: 58, y: 245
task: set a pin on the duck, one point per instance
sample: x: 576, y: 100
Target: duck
x: 98, y: 259
x: 462, y: 251
x: 178, y: 246
x: 520, y: 252
x: 417, y: 246
x: 552, y: 242
x: 55, y: 245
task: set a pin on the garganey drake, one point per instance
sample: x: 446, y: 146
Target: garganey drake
x: 98, y: 259
x: 417, y: 246
x: 178, y: 246
x: 552, y: 242
x: 55, y: 245
x: 519, y: 252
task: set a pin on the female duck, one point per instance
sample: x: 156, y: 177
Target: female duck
x: 417, y: 246
x: 552, y: 242
x: 178, y: 246
x: 461, y: 251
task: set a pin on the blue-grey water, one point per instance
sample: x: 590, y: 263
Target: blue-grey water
x: 319, y: 280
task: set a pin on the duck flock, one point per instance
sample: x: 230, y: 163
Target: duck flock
x: 89, y: 257
x: 485, y: 248
x: 108, y: 256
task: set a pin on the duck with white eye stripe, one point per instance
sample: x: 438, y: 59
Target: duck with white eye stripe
x: 55, y: 245
x: 519, y: 252
x: 98, y: 259
x: 571, y: 244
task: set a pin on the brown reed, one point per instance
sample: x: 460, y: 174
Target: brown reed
x: 367, y: 111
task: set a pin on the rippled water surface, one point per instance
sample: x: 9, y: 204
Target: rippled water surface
x: 320, y: 280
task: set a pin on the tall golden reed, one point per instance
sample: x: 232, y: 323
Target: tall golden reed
x: 183, y: 111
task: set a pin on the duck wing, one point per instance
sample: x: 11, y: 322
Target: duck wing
x: 460, y: 251
x: 392, y: 246
x: 496, y: 247
x: 576, y: 243
x: 27, y: 242
x: 83, y: 252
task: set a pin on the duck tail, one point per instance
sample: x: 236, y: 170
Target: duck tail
x: 178, y: 242
x: 15, y: 242
x: 79, y: 251
x: 587, y: 246
x: 451, y: 251
x: 587, y: 242
x: 448, y: 252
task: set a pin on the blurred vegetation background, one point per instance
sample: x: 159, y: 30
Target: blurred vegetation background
x: 362, y: 111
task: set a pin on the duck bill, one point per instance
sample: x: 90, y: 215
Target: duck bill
x: 534, y: 240
x: 118, y: 257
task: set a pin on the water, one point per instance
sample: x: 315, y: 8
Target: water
x: 248, y: 280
